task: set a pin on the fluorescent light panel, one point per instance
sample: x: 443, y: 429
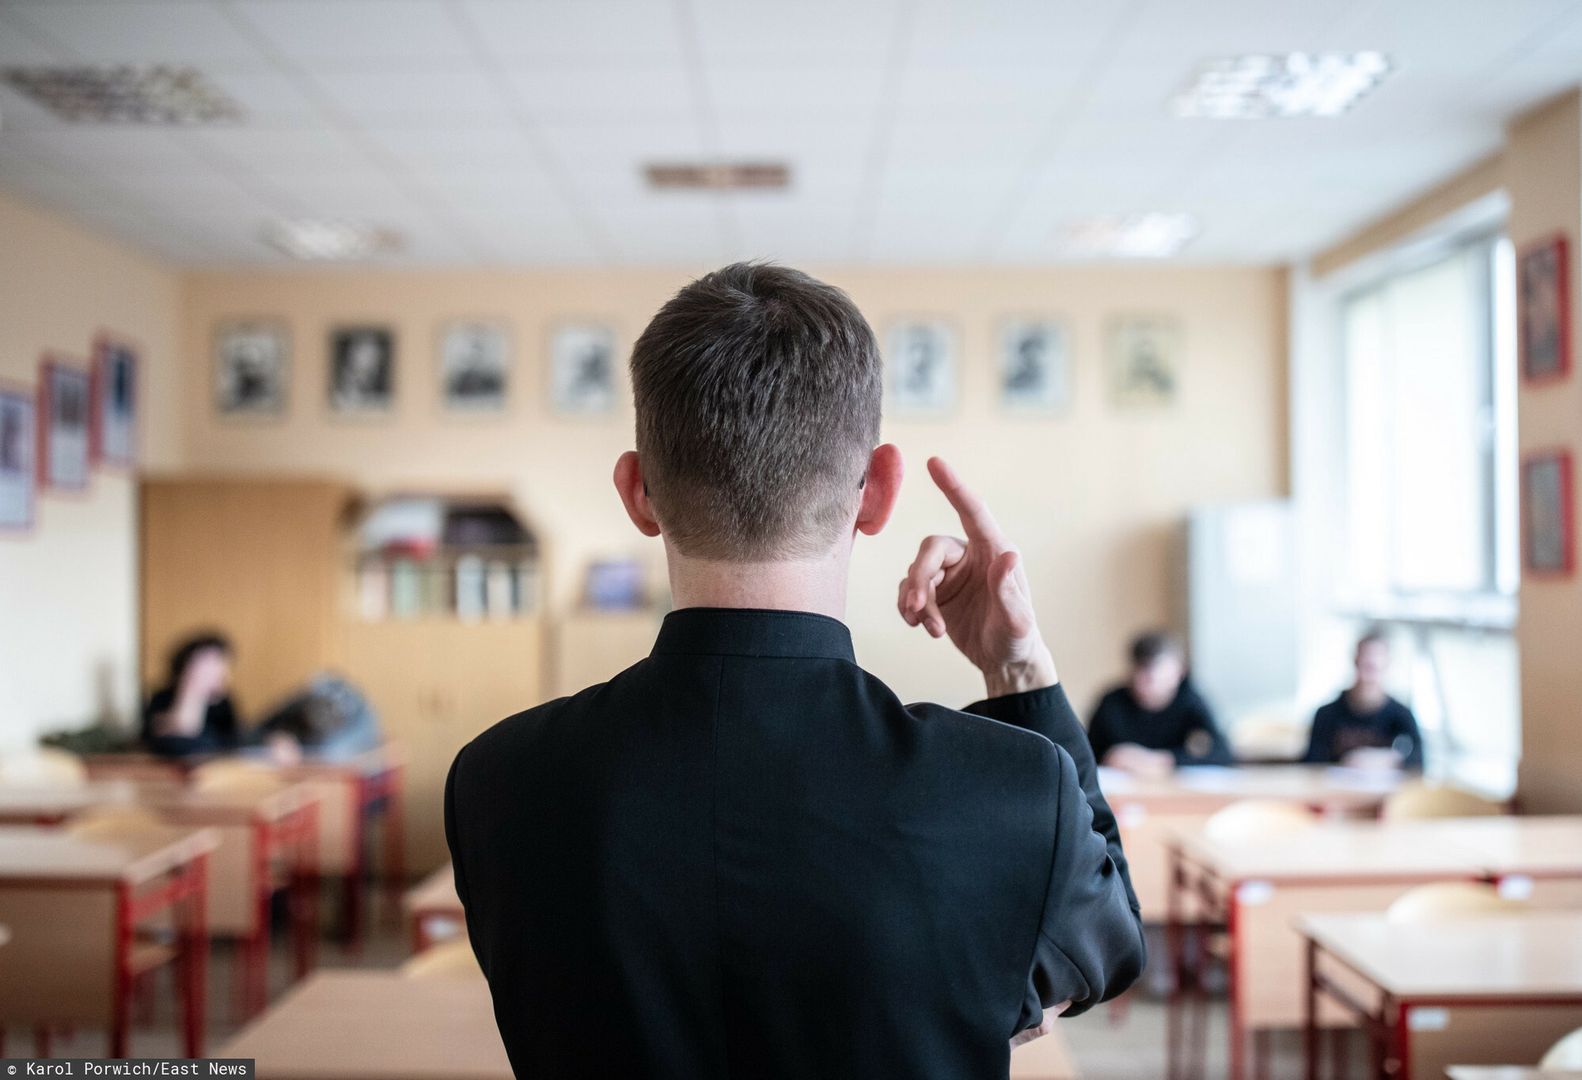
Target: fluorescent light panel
x: 124, y: 94
x: 329, y: 241
x: 1154, y: 235
x: 1268, y: 85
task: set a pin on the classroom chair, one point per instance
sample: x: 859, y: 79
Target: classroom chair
x: 1565, y: 1054
x: 1257, y: 819
x: 1451, y: 900
x: 1420, y: 800
x: 45, y: 766
x: 452, y: 960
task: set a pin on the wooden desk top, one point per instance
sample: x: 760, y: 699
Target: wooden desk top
x: 1536, y: 846
x: 368, y: 763
x: 377, y: 1025
x: 1342, y: 851
x: 1207, y: 787
x: 1509, y: 1072
x: 435, y: 893
x: 219, y: 806
x: 30, y: 853
x: 26, y: 802
x: 1536, y: 954
x: 1046, y: 1058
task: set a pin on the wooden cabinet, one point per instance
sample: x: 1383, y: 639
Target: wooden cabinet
x: 436, y: 683
x: 593, y: 646
x: 257, y: 559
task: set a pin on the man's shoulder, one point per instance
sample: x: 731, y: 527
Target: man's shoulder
x: 518, y: 732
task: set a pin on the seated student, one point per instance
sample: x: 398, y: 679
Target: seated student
x: 1365, y: 722
x: 1157, y: 720
x: 328, y: 720
x: 193, y: 712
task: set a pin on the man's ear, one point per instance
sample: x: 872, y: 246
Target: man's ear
x: 880, y: 489
x: 634, y: 494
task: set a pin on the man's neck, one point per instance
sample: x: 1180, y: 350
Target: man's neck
x: 816, y: 585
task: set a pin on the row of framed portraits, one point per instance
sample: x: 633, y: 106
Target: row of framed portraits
x: 1544, y: 300
x: 80, y: 415
x: 474, y: 366
x: 252, y: 368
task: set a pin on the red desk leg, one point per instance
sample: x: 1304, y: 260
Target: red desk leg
x: 304, y: 888
x: 1235, y: 1022
x: 195, y: 957
x: 395, y: 838
x: 352, y: 898
x: 1310, y: 1014
x: 1176, y: 951
x: 121, y: 1000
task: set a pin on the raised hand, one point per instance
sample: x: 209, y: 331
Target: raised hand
x: 975, y: 591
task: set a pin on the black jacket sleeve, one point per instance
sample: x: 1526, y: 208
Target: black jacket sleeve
x: 1199, y: 719
x: 452, y: 831
x: 1404, y: 724
x: 1090, y: 943
x: 1101, y: 740
x: 1321, y: 740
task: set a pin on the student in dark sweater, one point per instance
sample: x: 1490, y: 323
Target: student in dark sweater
x: 1157, y: 720
x: 193, y: 713
x: 1364, y: 720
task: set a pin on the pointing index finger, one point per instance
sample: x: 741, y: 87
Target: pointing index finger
x: 973, y: 511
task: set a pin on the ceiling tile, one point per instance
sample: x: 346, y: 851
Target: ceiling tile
x: 458, y: 94
x: 816, y: 30
x: 562, y: 90
x: 592, y: 31
x: 348, y: 31
x: 142, y: 31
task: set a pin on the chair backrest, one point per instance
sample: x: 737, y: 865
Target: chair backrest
x: 452, y: 960
x: 45, y: 765
x: 1422, y: 800
x: 107, y: 822
x: 1450, y: 900
x: 248, y: 776
x: 1257, y: 819
x: 1565, y: 1054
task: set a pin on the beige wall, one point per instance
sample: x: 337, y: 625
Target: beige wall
x: 68, y: 587
x: 1543, y: 167
x: 1094, y: 496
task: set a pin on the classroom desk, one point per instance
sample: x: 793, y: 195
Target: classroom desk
x: 354, y: 793
x: 74, y: 906
x: 1149, y: 811
x: 433, y: 910
x: 1545, y: 853
x: 51, y: 804
x: 1046, y: 1058
x: 1255, y: 889
x: 1486, y: 989
x: 258, y: 832
x: 377, y: 1025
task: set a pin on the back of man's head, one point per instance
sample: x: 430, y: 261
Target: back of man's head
x: 758, y: 392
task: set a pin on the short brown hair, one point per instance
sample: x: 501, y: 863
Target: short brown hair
x: 758, y: 393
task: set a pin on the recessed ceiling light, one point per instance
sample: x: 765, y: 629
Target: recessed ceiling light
x: 1283, y: 84
x: 124, y: 94
x: 1152, y: 235
x: 329, y: 241
x: 718, y: 175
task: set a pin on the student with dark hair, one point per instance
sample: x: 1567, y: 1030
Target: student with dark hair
x: 1364, y: 723
x: 744, y: 856
x: 1157, y: 720
x: 193, y: 712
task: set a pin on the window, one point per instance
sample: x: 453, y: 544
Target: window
x: 1430, y: 431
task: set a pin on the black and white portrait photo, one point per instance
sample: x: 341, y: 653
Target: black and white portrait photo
x: 17, y: 474
x: 920, y: 367
x: 1144, y: 360
x: 65, y: 416
x: 362, y: 370
x: 1035, y: 371
x: 115, y: 403
x: 582, y: 368
x: 251, y: 365
x: 474, y: 365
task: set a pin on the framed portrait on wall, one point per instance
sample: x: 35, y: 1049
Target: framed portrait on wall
x: 1543, y: 309
x: 252, y: 366
x: 1035, y: 366
x: 920, y: 367
x: 1548, y: 519
x: 18, y: 473
x: 582, y: 369
x: 474, y: 366
x: 114, y: 418
x: 1144, y: 360
x: 64, y: 403
x: 362, y: 370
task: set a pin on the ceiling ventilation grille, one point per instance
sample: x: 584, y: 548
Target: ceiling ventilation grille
x: 124, y: 94
x: 718, y: 176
